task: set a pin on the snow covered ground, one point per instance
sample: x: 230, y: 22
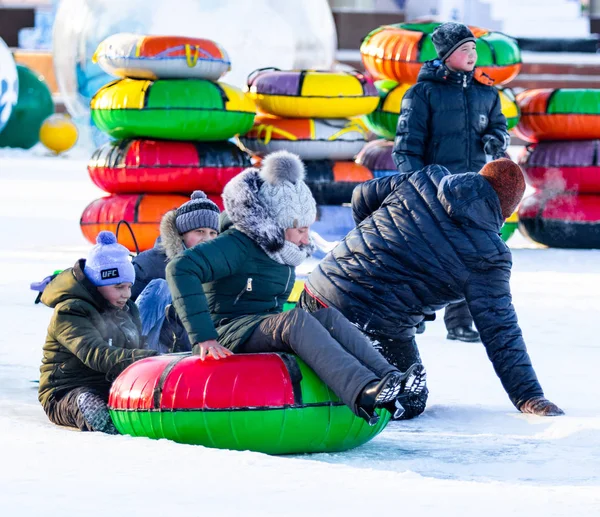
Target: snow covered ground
x: 470, y: 454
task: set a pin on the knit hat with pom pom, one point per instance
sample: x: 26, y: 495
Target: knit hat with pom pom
x: 284, y: 193
x: 108, y: 263
x: 199, y: 212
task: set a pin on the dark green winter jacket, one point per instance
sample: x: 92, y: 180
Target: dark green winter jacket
x: 89, y: 342
x: 222, y: 289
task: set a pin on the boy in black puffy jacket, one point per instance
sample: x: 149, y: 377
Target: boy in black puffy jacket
x: 451, y: 117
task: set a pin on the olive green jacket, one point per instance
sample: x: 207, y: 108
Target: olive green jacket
x: 89, y: 342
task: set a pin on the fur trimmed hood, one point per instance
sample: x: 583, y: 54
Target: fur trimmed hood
x: 248, y: 214
x: 170, y: 239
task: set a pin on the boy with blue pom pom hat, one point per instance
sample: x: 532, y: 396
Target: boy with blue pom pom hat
x: 94, y: 334
x: 230, y: 292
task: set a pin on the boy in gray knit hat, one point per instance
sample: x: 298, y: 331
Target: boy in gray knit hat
x: 192, y: 223
x: 451, y: 117
x: 230, y: 292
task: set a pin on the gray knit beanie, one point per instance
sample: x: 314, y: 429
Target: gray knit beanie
x: 199, y: 212
x: 284, y: 193
x: 449, y: 36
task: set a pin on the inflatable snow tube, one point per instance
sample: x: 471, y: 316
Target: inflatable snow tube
x: 332, y: 183
x: 270, y: 403
x: 309, y: 138
x: 570, y: 165
x: 34, y: 106
x: 377, y: 157
x: 561, y: 220
x: 308, y: 93
x: 564, y: 114
x: 398, y: 51
x: 163, y: 166
x: 384, y: 119
x: 161, y: 57
x: 175, y: 109
x: 142, y: 213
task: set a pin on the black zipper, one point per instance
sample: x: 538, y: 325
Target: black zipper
x: 467, y: 128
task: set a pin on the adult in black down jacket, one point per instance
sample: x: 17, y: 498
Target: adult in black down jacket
x: 425, y: 240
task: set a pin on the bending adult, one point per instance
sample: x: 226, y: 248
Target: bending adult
x: 422, y: 241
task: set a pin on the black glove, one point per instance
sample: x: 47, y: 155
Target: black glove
x: 493, y: 147
x: 540, y: 406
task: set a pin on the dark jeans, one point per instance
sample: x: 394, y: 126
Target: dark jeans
x: 65, y: 411
x: 401, y: 354
x: 457, y: 315
x: 334, y: 348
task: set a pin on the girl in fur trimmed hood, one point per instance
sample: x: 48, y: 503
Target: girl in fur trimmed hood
x: 192, y: 223
x: 229, y: 292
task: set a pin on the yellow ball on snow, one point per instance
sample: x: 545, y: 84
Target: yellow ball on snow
x: 58, y: 133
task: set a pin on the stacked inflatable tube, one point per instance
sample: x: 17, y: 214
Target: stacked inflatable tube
x: 309, y: 138
x: 174, y: 109
x: 166, y: 57
x: 564, y: 220
x: 563, y: 166
x: 158, y: 166
x: 572, y: 165
x: 563, y: 114
x: 313, y: 114
x: 397, y: 52
x: 310, y: 93
x: 268, y: 403
x: 172, y: 120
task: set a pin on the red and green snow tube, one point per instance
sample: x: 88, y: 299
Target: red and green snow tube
x: 270, y: 403
x: 164, y: 166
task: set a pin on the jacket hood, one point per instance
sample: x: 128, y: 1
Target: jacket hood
x: 170, y: 239
x: 73, y: 284
x: 469, y: 199
x: 437, y: 71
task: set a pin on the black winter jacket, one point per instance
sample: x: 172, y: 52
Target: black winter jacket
x: 423, y: 241
x: 443, y: 120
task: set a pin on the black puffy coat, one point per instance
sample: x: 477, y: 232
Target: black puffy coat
x: 425, y: 240
x: 443, y: 120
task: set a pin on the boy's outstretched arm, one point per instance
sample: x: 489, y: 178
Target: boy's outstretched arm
x: 412, y: 132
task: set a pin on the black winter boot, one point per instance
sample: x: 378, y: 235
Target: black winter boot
x: 412, y: 388
x: 378, y: 394
x: 466, y: 334
x: 95, y: 412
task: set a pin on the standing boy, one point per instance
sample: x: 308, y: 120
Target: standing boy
x: 451, y: 117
